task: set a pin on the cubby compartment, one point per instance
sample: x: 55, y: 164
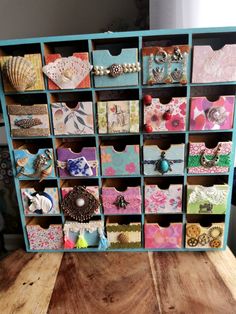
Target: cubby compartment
x: 120, y: 156
x: 77, y: 157
x: 72, y: 113
x: 34, y: 159
x: 213, y: 57
x: 163, y: 154
x: 163, y: 196
x: 124, y: 232
x: 40, y: 198
x: 205, y: 231
x: 67, y: 64
x: 210, y: 153
x: 163, y: 232
x: 44, y: 233
x: 121, y: 196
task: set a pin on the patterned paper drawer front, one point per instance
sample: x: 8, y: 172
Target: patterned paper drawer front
x: 163, y: 237
x: 40, y: 202
x: 116, y: 202
x: 38, y: 166
x: 165, y: 64
x: 207, y: 160
x: 124, y: 236
x: 121, y: 70
x: 198, y: 236
x: 29, y: 120
x: 118, y: 116
x: 214, y: 66
x: 159, y: 162
x: 163, y: 201
x: 207, y: 200
x: 69, y: 68
x: 216, y: 115
x: 78, y: 120
x: 166, y: 117
x: 42, y: 239
x: 120, y: 163
x: 91, y: 189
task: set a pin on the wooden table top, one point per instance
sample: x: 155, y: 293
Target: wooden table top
x: 105, y: 283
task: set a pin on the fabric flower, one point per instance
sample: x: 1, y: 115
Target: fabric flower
x: 176, y: 123
x: 110, y: 171
x: 130, y: 168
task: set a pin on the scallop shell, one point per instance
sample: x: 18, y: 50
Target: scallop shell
x: 22, y: 161
x: 45, y: 173
x: 20, y: 73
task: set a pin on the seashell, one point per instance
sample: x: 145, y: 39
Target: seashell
x: 45, y: 173
x: 28, y: 123
x: 22, y: 162
x: 123, y: 237
x: 20, y: 73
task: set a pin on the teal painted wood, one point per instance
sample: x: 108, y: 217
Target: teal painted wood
x: 140, y: 89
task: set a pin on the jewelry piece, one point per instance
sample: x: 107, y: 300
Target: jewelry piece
x: 161, y: 56
x: 216, y: 243
x: 177, y: 55
x: 120, y: 202
x: 192, y: 242
x: 158, y: 74
x: 203, y: 239
x: 27, y: 123
x: 210, y: 163
x: 205, y: 208
x: 116, y: 70
x: 216, y: 115
x: 176, y: 74
x: 215, y: 232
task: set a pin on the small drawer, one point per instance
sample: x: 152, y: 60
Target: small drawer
x: 160, y: 237
x: 121, y: 202
x: 166, y: 117
x: 214, y: 66
x: 207, y: 199
x: 82, y: 235
x: 118, y: 116
x: 91, y: 189
x: 78, y: 120
x: 44, y: 237
x: 29, y: 120
x: 82, y: 164
x: 44, y: 202
x: 123, y: 233
x: 37, y: 166
x: 163, y: 200
x: 124, y: 162
x: 163, y: 162
x: 119, y: 70
x: 198, y: 236
x: 209, y: 160
x: 68, y: 73
x: 212, y: 115
x: 165, y: 64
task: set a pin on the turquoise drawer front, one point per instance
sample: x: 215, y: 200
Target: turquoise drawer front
x: 103, y: 58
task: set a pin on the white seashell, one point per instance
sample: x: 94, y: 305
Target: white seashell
x: 20, y: 73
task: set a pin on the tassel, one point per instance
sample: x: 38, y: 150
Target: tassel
x: 68, y: 244
x: 103, y: 243
x: 81, y: 242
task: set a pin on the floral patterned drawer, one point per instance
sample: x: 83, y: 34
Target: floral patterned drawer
x: 207, y: 200
x: 41, y: 202
x: 82, y: 235
x: 163, y: 162
x: 165, y: 64
x: 122, y: 236
x: 29, y: 120
x: 166, y: 117
x: 120, y: 163
x: 91, y: 189
x: 214, y: 66
x: 78, y: 120
x: 81, y: 164
x: 163, y: 237
x: 118, y: 116
x: 212, y: 115
x: 198, y: 236
x: 208, y: 160
x: 45, y: 239
x: 68, y: 73
x: 116, y: 202
x: 38, y: 166
x: 163, y: 201
x: 120, y: 70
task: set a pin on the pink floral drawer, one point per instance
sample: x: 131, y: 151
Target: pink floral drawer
x: 157, y: 237
x: 214, y: 66
x: 165, y: 117
x: 116, y: 202
x: 209, y: 160
x: 212, y: 115
x: 163, y: 201
x: 42, y: 239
